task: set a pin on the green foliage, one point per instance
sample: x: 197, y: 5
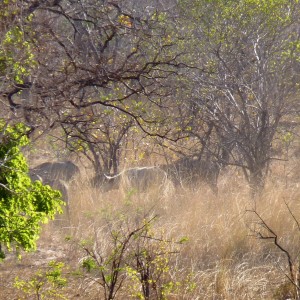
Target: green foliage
x: 138, y: 261
x: 16, y: 55
x: 89, y: 264
x: 12, y: 61
x: 45, y: 284
x: 231, y: 24
x: 24, y: 204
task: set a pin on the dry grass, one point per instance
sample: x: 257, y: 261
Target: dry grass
x: 221, y: 260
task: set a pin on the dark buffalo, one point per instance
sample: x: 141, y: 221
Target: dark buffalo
x: 56, y: 174
x: 190, y: 171
x: 49, y: 171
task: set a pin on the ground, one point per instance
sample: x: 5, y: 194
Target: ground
x: 221, y: 259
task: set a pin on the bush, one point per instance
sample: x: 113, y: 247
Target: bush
x: 24, y: 204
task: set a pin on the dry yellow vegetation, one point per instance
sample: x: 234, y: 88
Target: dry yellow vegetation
x: 221, y: 258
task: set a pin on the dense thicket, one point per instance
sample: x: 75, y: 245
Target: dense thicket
x: 214, y: 79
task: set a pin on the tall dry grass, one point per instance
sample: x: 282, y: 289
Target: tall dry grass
x: 222, y: 259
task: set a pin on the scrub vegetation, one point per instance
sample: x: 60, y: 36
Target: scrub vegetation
x: 149, y: 149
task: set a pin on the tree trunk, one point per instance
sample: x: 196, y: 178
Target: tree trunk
x: 256, y: 182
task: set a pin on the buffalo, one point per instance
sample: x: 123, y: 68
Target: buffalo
x: 56, y: 174
x: 48, y: 171
x: 140, y: 179
x: 190, y: 171
x: 185, y: 172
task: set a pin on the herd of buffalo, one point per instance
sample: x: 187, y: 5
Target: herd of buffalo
x: 186, y: 172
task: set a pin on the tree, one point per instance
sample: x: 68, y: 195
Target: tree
x: 245, y: 76
x: 93, y: 57
x: 24, y: 204
x: 16, y: 55
x: 100, y: 136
